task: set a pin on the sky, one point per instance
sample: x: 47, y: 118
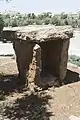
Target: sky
x: 38, y: 6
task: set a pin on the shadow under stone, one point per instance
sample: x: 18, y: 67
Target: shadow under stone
x: 71, y: 77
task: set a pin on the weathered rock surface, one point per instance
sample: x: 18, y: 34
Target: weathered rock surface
x: 24, y: 55
x: 38, y: 33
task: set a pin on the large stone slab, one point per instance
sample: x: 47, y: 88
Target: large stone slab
x: 24, y: 55
x: 38, y: 33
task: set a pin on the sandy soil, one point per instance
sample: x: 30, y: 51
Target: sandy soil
x: 32, y: 103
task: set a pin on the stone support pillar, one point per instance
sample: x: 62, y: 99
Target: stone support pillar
x: 37, y: 56
x: 64, y: 59
x: 24, y: 55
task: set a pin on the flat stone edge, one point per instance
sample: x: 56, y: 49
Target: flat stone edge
x: 39, y: 34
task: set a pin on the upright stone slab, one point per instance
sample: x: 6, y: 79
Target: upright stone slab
x: 64, y: 59
x: 24, y: 55
x: 37, y: 58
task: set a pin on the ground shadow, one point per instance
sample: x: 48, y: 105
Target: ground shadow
x: 71, y: 77
x: 8, y: 85
x: 29, y: 107
x: 32, y: 106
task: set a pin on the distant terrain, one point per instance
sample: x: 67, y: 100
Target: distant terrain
x: 13, y: 19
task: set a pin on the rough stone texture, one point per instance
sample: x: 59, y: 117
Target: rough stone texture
x: 37, y: 60
x: 37, y: 51
x: 54, y: 61
x: 38, y: 33
x: 51, y: 52
x: 46, y: 80
x: 24, y: 55
x: 64, y: 59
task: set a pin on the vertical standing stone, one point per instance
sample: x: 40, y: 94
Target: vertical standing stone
x: 64, y: 59
x: 37, y: 50
x: 37, y: 56
x: 24, y: 54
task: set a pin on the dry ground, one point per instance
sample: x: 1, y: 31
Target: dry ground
x: 21, y: 103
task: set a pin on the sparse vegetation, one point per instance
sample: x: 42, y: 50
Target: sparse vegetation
x: 1, y: 23
x: 17, y: 19
x: 74, y: 59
